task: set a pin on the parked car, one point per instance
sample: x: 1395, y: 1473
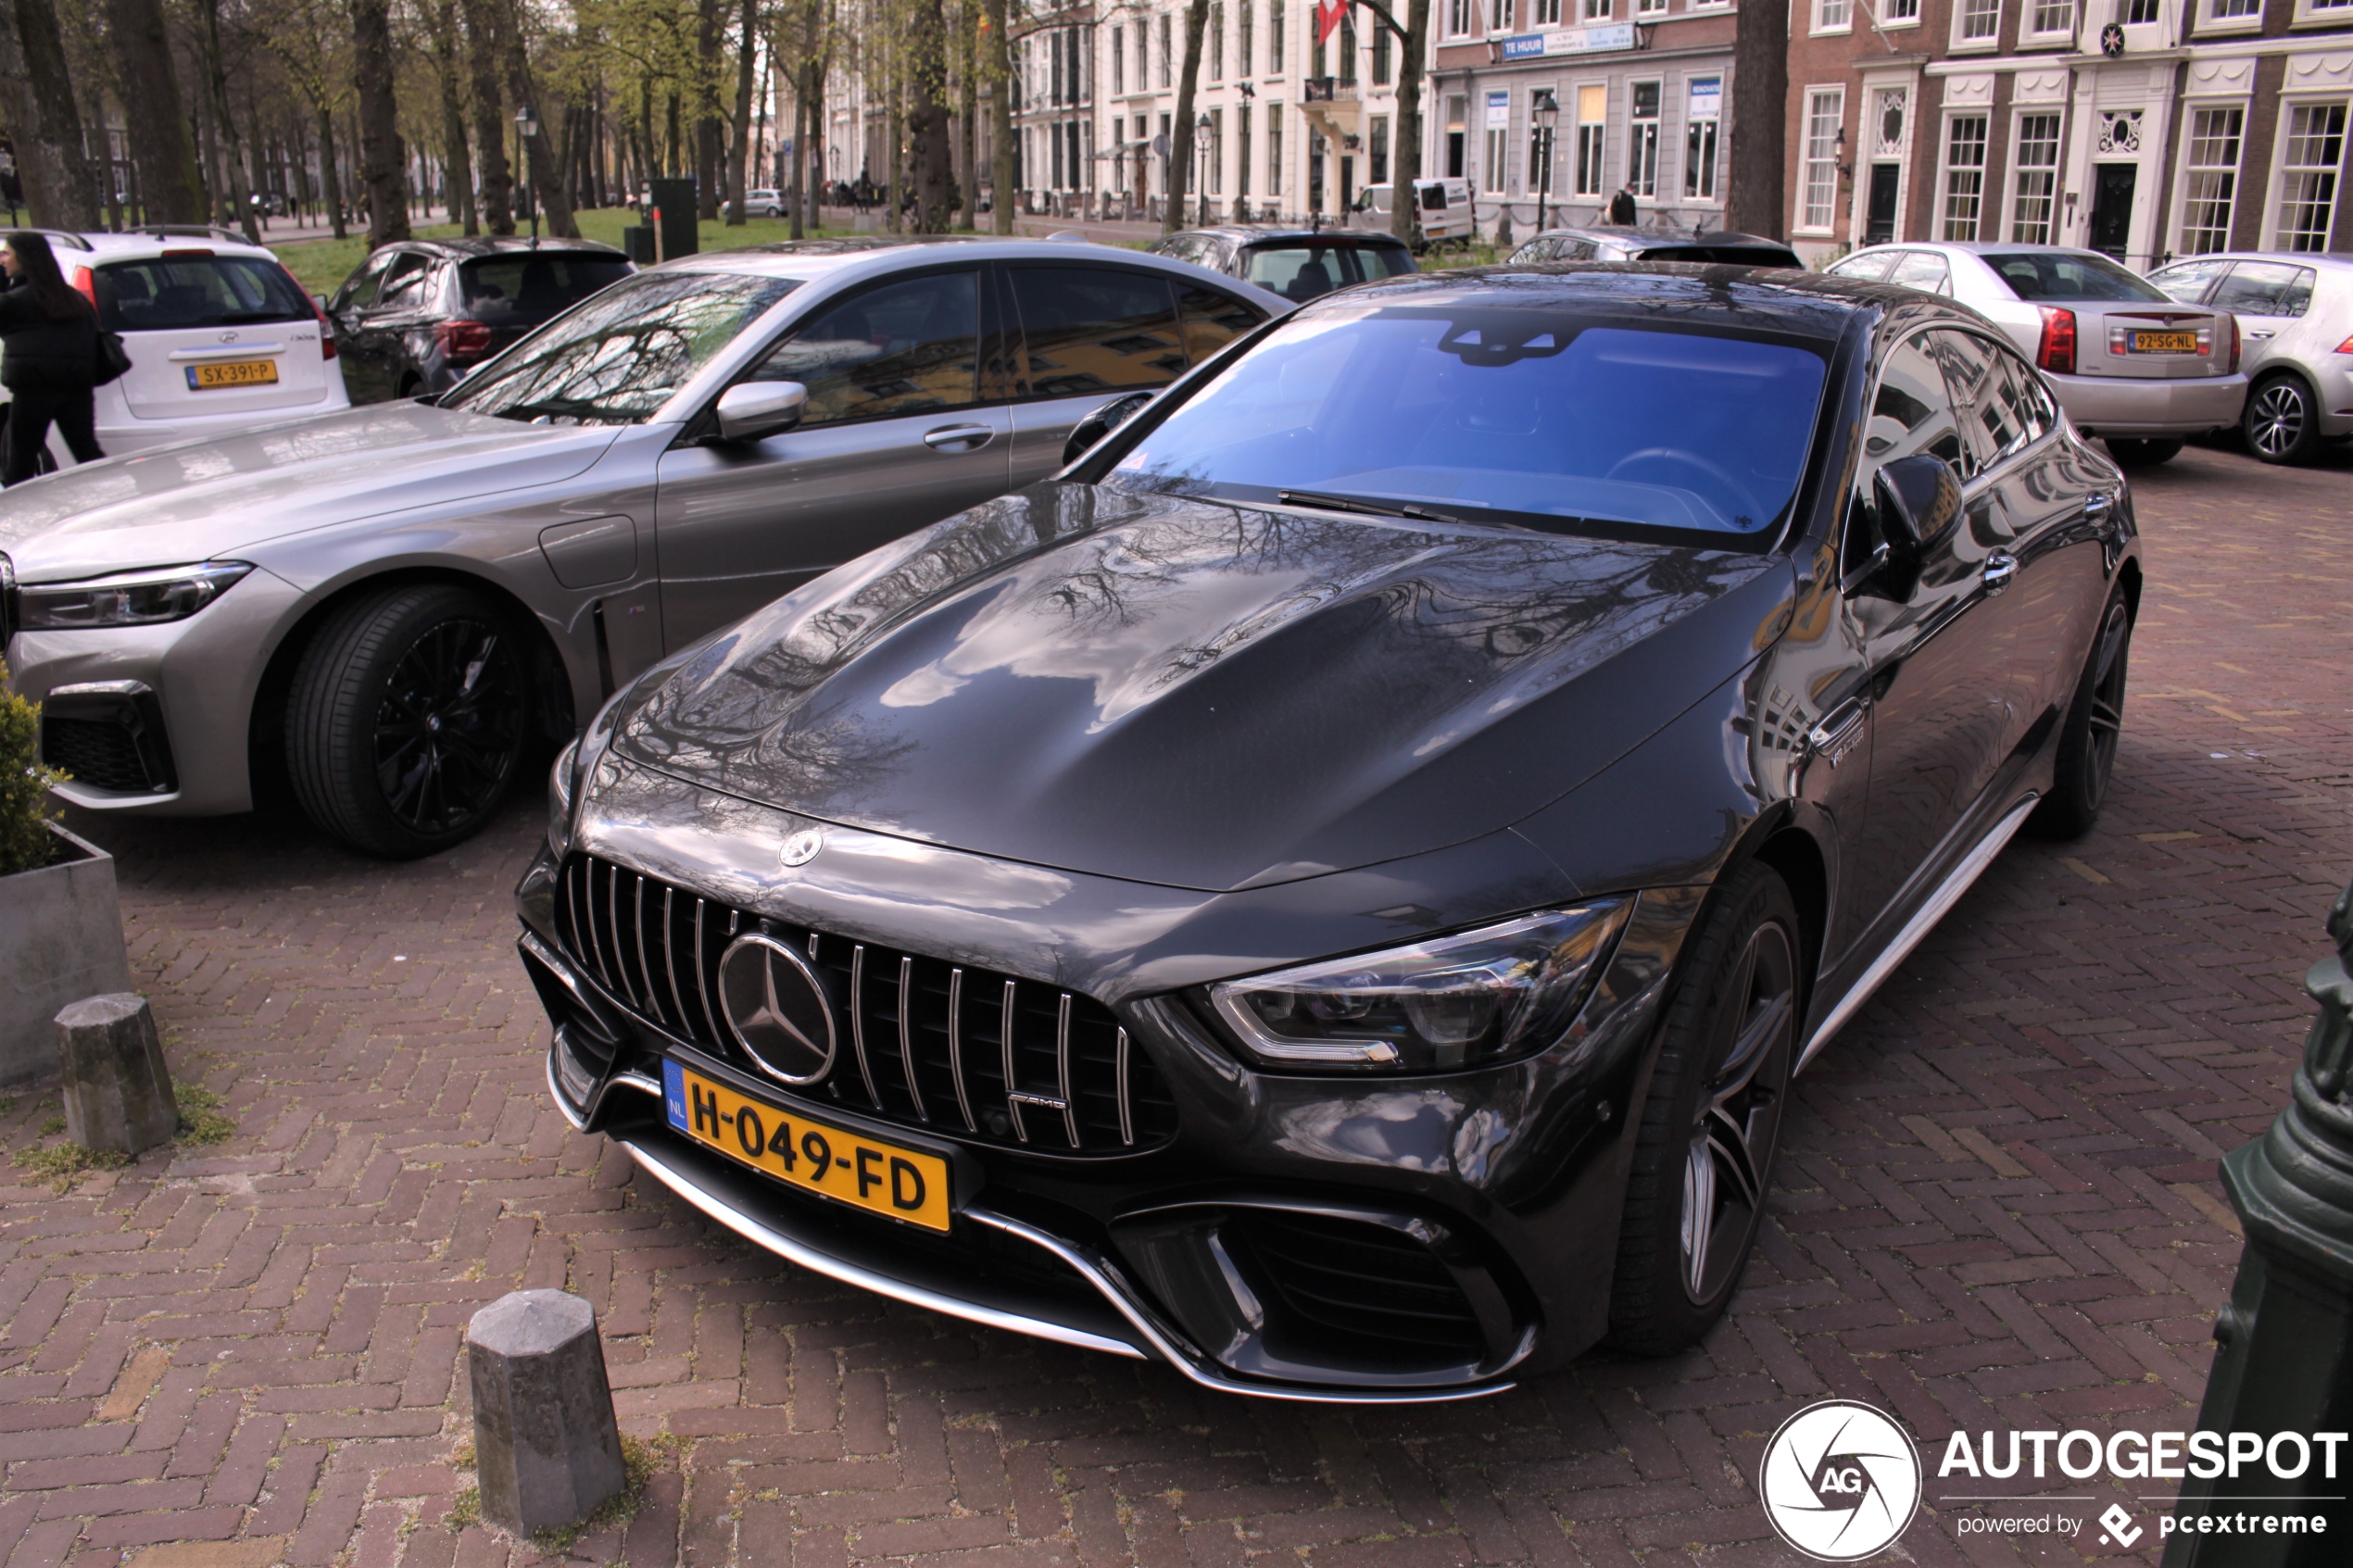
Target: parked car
x: 2295, y: 313
x: 220, y: 336
x: 1330, y: 891
x: 1448, y: 211
x: 1299, y: 264
x: 1613, y: 244
x: 418, y: 315
x: 399, y: 601
x: 2128, y: 363
x: 764, y: 203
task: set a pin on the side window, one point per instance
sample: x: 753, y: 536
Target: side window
x: 403, y: 282
x: 1911, y: 412
x: 2265, y: 288
x: 1870, y: 267
x: 360, y: 290
x: 1093, y: 328
x: 2001, y: 407
x: 1922, y: 269
x: 2186, y: 280
x: 902, y: 348
x: 1211, y: 321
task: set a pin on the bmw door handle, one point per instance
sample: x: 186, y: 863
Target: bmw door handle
x: 959, y: 438
x: 1999, y: 569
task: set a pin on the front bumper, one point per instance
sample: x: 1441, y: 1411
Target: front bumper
x: 2149, y: 407
x: 1507, y: 1181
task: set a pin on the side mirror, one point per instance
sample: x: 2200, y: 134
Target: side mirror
x: 751, y: 410
x: 1102, y: 422
x: 1919, y: 500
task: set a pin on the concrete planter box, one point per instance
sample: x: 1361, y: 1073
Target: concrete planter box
x: 60, y: 940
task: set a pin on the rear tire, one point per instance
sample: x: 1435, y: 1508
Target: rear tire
x: 407, y: 721
x: 2090, y: 734
x: 2142, y: 454
x: 2282, y: 422
x: 1704, y: 1154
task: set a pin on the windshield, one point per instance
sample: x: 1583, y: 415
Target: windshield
x: 201, y: 290
x: 2066, y: 275
x: 511, y: 290
x: 1550, y: 419
x: 619, y: 357
x: 1306, y: 271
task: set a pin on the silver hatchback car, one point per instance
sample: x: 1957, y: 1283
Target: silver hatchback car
x: 395, y: 603
x: 2297, y: 310
x: 2129, y: 363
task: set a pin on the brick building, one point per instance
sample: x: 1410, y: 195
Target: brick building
x: 2142, y: 128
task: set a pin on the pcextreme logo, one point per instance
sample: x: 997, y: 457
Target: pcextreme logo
x: 1840, y: 1481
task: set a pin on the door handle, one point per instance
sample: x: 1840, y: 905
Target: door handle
x: 2261, y: 335
x: 1834, y: 736
x: 1999, y: 569
x: 959, y: 438
x: 2096, y: 505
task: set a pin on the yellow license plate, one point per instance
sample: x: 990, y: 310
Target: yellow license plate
x: 2165, y: 343
x: 815, y: 1156
x: 233, y: 372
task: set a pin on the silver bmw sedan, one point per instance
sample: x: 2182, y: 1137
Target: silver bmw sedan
x: 396, y: 604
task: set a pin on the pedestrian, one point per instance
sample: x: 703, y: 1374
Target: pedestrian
x: 48, y: 358
x: 1621, y: 206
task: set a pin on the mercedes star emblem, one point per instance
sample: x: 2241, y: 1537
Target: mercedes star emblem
x: 776, y: 1008
x: 802, y: 846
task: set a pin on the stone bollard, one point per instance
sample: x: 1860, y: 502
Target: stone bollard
x: 2285, y: 1361
x: 547, y: 1451
x: 117, y: 1092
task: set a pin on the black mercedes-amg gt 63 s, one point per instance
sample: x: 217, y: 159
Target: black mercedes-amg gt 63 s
x: 1331, y: 891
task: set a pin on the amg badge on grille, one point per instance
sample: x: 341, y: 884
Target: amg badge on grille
x: 776, y: 1008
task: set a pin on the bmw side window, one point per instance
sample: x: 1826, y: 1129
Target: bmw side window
x: 904, y: 348
x: 1093, y: 328
x: 1911, y: 412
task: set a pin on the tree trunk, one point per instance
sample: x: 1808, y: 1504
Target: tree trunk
x: 711, y: 25
x: 1405, y: 165
x: 1000, y: 120
x: 538, y: 167
x: 739, y: 153
x: 497, y: 199
x: 933, y: 177
x: 45, y: 123
x: 232, y: 159
x: 330, y: 178
x: 380, y: 159
x: 155, y: 124
x: 1755, y: 202
x: 1180, y: 135
x: 800, y: 180
x: 967, y: 166
x: 461, y: 178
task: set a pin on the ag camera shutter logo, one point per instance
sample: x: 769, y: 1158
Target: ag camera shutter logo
x: 1840, y: 1481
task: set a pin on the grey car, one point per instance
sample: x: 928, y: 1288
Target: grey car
x: 2296, y: 313
x: 2129, y: 364
x: 397, y: 603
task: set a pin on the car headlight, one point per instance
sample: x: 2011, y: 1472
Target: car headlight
x: 125, y: 599
x: 562, y: 788
x: 1483, y: 997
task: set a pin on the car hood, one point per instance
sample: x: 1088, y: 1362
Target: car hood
x: 197, y: 500
x: 1198, y: 694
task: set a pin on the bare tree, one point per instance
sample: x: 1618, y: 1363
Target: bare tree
x: 443, y: 20
x: 163, y: 155
x: 490, y: 117
x: 929, y: 154
x: 543, y: 172
x: 380, y: 159
x: 1404, y: 201
x: 1760, y: 121
x: 1180, y: 159
x: 711, y: 25
x: 745, y: 82
x: 37, y: 97
x: 999, y: 65
x: 224, y: 124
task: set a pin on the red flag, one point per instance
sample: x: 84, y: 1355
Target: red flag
x: 1327, y: 17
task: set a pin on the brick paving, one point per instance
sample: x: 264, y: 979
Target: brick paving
x: 1997, y: 1208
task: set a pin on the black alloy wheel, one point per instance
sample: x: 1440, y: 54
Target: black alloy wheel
x: 407, y: 721
x: 2142, y: 454
x: 2279, y: 422
x: 2094, y: 728
x: 1704, y: 1155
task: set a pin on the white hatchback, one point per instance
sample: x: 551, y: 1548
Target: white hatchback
x: 221, y: 337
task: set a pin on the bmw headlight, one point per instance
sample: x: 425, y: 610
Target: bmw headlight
x: 125, y: 599
x: 1483, y: 997
x: 563, y: 789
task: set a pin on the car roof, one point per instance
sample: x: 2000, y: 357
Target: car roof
x: 1985, y: 247
x: 1790, y: 299
x: 1717, y: 237
x: 1257, y: 233
x: 809, y: 259
x: 2330, y: 260
x: 136, y: 242
x: 496, y: 244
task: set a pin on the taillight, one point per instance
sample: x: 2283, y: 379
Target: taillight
x: 2344, y: 347
x: 2056, y: 353
x: 87, y: 282
x: 462, y: 341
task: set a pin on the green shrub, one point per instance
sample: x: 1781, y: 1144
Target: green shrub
x: 25, y: 807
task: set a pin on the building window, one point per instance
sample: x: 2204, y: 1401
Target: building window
x: 1458, y: 19
x: 1499, y: 16
x: 1548, y: 12
x: 1650, y: 8
x: 1348, y: 49
x: 1593, y: 109
x: 1642, y: 153
x: 1540, y: 147
x: 2235, y: 10
x: 1964, y: 178
x: 1274, y: 41
x: 1896, y: 12
x: 1457, y: 111
x: 1164, y: 49
x: 2310, y: 154
x: 1381, y: 66
x: 2140, y: 13
x: 1596, y: 10
x: 1498, y: 131
x: 1273, y: 149
x: 2032, y: 195
x: 1242, y: 157
x: 1377, y: 142
x: 1217, y: 43
x: 1824, y: 110
x: 1704, y: 108
x: 2053, y: 16
x: 1980, y: 20
x: 1118, y: 62
x: 2210, y: 178
x: 1834, y: 15
x: 1243, y: 41
x: 1217, y: 152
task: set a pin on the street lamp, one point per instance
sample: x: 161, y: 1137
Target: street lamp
x: 526, y: 130
x: 1548, y: 113
x: 1200, y: 166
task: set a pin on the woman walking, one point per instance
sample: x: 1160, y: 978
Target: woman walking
x: 48, y: 358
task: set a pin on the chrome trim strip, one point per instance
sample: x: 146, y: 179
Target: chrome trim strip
x: 613, y: 919
x: 956, y: 1045
x: 776, y: 1241
x: 653, y: 1002
x: 1005, y: 1046
x: 1062, y: 1070
x: 103, y: 688
x: 907, y: 1035
x: 702, y: 974
x: 858, y: 1020
x: 669, y: 953
x: 1126, y: 1122
x: 555, y: 1091
x: 1947, y: 894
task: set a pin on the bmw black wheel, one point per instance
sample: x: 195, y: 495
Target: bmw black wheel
x: 1704, y: 1154
x: 407, y: 721
x: 2093, y: 730
x: 2278, y: 422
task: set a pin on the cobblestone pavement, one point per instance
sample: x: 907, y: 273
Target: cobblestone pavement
x: 1996, y: 1209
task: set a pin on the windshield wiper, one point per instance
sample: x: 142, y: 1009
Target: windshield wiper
x: 1370, y: 508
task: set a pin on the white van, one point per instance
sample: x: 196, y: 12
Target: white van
x: 1446, y: 207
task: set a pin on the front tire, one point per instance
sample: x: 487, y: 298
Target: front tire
x: 2143, y: 454
x: 406, y: 724
x: 2281, y: 423
x: 2090, y: 734
x: 1704, y: 1154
